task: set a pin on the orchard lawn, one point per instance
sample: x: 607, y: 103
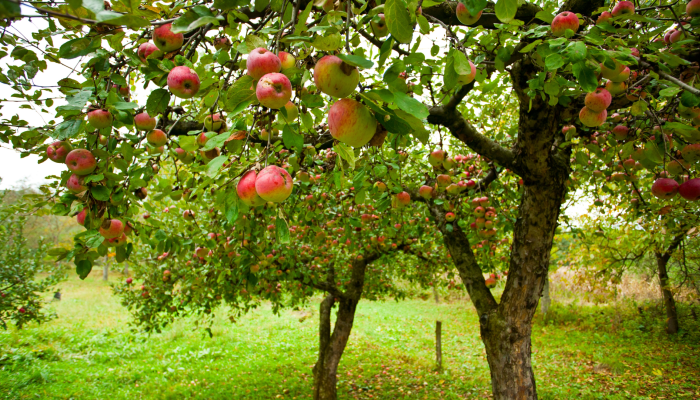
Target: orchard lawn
x: 582, y: 352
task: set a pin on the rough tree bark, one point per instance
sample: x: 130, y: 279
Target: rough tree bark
x: 546, y: 300
x: 332, y: 344
x: 662, y: 257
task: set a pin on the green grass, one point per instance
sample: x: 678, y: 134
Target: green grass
x: 89, y: 352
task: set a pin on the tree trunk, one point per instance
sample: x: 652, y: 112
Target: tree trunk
x: 669, y: 302
x: 105, y: 271
x: 126, y: 268
x: 331, y: 346
x: 546, y: 300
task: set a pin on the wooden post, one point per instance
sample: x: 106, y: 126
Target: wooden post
x: 438, y: 344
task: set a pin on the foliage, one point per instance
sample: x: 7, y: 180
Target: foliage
x: 23, y: 276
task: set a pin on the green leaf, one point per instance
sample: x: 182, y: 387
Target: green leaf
x: 356, y: 61
x: 586, y: 77
x: 380, y: 170
x: 157, y: 101
x: 418, y: 129
x: 531, y: 46
x: 253, y: 42
x: 292, y: 139
x: 83, y: 268
x: 193, y: 19
x: 669, y: 92
x: 327, y: 43
x: 461, y: 64
x: 79, y: 47
x: 282, y: 230
x: 346, y: 153
x: 216, y: 141
x: 68, y: 129
x: 100, y: 193
x: 188, y: 143
x: 215, y: 165
x: 398, y: 20
x: 554, y: 61
x: 576, y: 51
x: 411, y: 105
x: 474, y: 6
x: 9, y: 9
x: 118, y: 79
x: 652, y: 153
x: 123, y: 105
x: 301, y: 23
x: 506, y: 10
x: 545, y: 16
x: 423, y: 24
x: 450, y: 77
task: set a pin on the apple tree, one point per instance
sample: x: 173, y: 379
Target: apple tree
x: 240, y: 99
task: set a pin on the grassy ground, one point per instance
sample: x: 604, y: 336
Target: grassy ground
x: 580, y: 352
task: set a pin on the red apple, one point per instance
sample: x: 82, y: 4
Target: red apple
x: 183, y: 82
x: 450, y: 216
x: 100, y: 119
x: 246, y: 190
x: 262, y: 62
x: 81, y: 161
x: 437, y: 157
x: 402, y: 199
x: 562, y: 22
x: 274, y: 184
x: 188, y: 215
x: 693, y: 8
x: 690, y: 190
x: 351, y: 122
x: 334, y: 77
x: 620, y: 132
x: 598, y: 100
x: 145, y: 50
x: 166, y: 40
x: 117, y: 241
x: 623, y: 76
x: 57, y: 151
x: 111, y: 228
x: 75, y: 184
x: 468, y: 78
x: 80, y: 217
x: 623, y: 8
x: 157, y: 138
x: 144, y: 122
x: 464, y: 16
x: 274, y: 90
x: 604, y: 18
x: 592, y: 119
x: 664, y: 188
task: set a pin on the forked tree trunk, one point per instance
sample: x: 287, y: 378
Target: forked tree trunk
x: 331, y: 346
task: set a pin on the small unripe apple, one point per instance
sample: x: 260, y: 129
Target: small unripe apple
x: 166, y: 40
x: 380, y: 186
x: 615, y: 88
x: 261, y: 62
x: 188, y: 215
x: 468, y: 78
x: 57, y: 151
x: 450, y: 216
x: 464, y: 16
x: 183, y: 82
x: 81, y: 161
x: 286, y: 60
x: 214, y: 122
x: 100, y: 119
x: 222, y: 43
x: 379, y: 28
x: 291, y: 110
